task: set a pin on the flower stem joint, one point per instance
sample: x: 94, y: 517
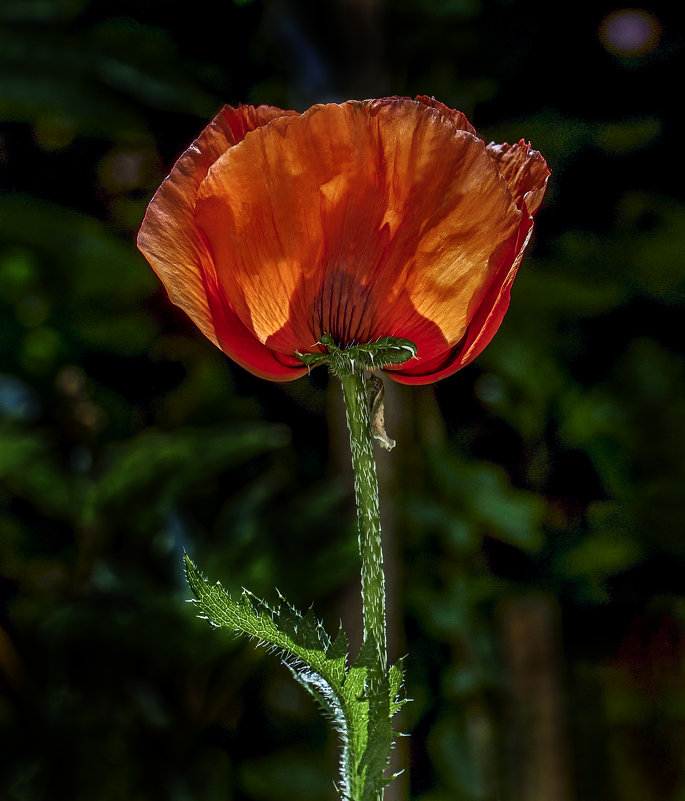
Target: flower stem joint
x: 360, y: 360
x: 357, y: 358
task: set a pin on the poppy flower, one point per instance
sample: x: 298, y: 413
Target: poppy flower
x: 356, y: 221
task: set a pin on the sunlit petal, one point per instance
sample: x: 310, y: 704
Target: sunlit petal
x: 168, y: 237
x: 359, y: 220
x: 524, y: 170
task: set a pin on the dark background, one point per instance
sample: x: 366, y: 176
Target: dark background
x: 534, y: 515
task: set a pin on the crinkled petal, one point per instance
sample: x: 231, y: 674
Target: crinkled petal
x: 364, y: 219
x: 524, y: 170
x: 457, y: 118
x: 168, y: 237
x: 526, y: 173
x: 240, y: 343
x: 482, y: 328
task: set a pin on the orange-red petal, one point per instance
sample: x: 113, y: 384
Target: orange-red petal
x: 323, y: 222
x: 483, y: 327
x: 457, y: 118
x: 169, y: 237
x: 524, y: 170
x: 239, y: 342
x: 365, y: 219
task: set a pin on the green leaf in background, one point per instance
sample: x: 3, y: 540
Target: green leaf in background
x: 321, y: 665
x: 95, y: 274
x: 91, y: 83
x: 154, y: 469
x: 481, y: 495
x: 39, y: 11
x: 29, y: 469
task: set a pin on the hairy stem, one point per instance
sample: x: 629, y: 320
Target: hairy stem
x: 368, y: 519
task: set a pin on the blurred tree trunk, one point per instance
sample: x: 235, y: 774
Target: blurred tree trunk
x: 361, y: 30
x: 537, y: 764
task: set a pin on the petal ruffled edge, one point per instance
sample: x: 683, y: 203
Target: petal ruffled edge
x: 481, y: 329
x: 457, y: 118
x: 171, y: 211
x: 524, y: 170
x: 416, y: 152
x: 526, y: 173
x: 168, y: 236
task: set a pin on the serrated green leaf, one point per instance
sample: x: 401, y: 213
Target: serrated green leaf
x: 396, y: 687
x: 359, y: 703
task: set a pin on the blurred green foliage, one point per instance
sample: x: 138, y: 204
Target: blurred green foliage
x: 535, y: 519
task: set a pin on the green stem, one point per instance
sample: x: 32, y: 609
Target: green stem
x: 368, y: 519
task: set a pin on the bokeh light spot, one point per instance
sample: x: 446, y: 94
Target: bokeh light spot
x: 54, y: 131
x: 631, y: 32
x: 125, y: 169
